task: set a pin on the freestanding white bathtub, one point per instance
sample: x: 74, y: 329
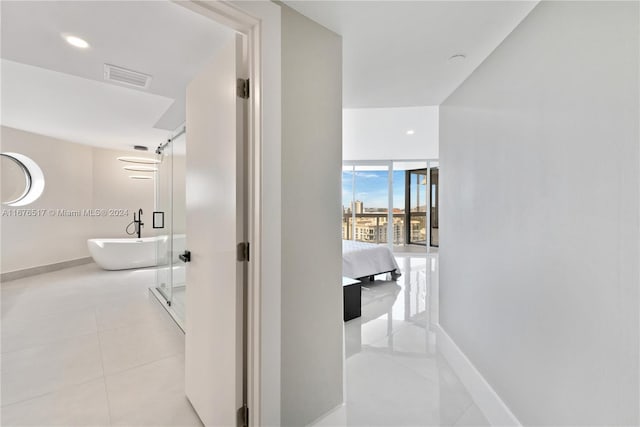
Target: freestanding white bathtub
x: 122, y: 254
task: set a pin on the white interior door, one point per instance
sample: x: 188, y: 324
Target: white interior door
x: 215, y: 225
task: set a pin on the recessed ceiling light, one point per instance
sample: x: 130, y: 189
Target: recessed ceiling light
x: 411, y: 132
x: 76, y: 41
x: 140, y: 168
x: 139, y: 177
x: 458, y: 58
x: 142, y: 160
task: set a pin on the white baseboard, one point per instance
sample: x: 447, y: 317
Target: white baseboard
x: 493, y: 408
x: 323, y: 420
x: 41, y: 269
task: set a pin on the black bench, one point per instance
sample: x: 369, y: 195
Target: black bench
x: 351, y: 293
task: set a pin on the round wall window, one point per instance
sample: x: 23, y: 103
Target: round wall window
x: 22, y: 179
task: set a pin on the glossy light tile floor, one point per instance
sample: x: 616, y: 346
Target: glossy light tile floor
x: 84, y: 346
x: 394, y: 374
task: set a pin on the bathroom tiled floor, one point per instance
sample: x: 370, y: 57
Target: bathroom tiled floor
x: 84, y: 346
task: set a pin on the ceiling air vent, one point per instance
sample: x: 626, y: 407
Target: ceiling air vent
x: 123, y: 76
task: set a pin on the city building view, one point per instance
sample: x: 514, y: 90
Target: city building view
x: 370, y: 214
x: 371, y: 225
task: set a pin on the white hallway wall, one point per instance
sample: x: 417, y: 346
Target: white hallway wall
x: 539, y: 225
x: 381, y: 133
x: 312, y: 327
x: 76, y: 177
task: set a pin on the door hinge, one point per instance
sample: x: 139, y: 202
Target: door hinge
x: 243, y: 251
x: 242, y: 87
x: 243, y: 416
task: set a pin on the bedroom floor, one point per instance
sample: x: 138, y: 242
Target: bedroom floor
x: 394, y: 374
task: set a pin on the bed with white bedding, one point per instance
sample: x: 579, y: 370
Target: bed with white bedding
x: 361, y: 259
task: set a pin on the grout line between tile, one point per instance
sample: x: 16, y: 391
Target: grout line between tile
x: 51, y: 392
x: 455, y: 423
x: 104, y: 376
x: 142, y: 365
x: 139, y: 321
x: 58, y: 341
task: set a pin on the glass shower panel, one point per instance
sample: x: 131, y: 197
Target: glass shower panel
x: 178, y: 225
x: 163, y: 204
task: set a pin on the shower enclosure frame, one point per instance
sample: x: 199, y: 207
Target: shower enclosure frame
x: 165, y: 295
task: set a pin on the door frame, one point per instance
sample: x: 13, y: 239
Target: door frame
x: 223, y: 12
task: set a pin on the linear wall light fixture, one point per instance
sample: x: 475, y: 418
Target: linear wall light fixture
x: 140, y: 168
x: 140, y: 160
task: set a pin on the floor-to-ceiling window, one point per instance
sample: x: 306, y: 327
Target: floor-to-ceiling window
x: 387, y: 202
x: 365, y: 203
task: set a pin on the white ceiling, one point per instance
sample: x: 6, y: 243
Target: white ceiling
x: 80, y: 110
x: 396, y: 53
x: 54, y: 89
x: 381, y: 133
